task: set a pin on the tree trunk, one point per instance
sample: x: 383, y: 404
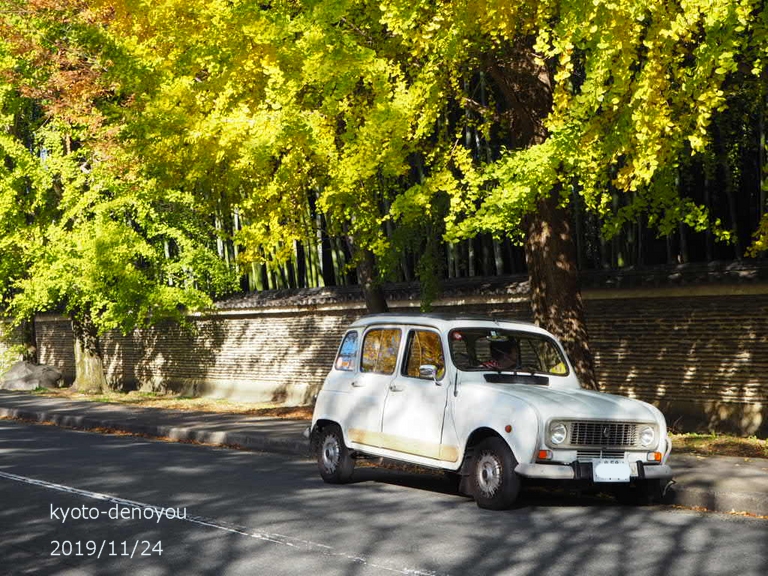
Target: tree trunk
x: 303, y: 270
x: 89, y: 363
x: 708, y: 237
x: 375, y: 301
x: 525, y: 85
x: 761, y: 160
x: 550, y: 253
x: 367, y: 277
x: 29, y: 341
x: 329, y: 275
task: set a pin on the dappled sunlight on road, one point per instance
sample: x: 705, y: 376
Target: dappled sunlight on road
x: 386, y: 517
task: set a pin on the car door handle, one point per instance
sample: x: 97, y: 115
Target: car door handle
x: 396, y: 387
x: 357, y: 384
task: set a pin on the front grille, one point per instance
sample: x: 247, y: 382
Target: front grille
x: 589, y: 455
x: 603, y: 434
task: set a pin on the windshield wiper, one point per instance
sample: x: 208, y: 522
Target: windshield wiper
x: 516, y: 377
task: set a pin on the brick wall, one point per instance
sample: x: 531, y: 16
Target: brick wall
x: 702, y: 359
x: 278, y: 357
x: 699, y: 353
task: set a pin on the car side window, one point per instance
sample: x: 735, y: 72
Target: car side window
x: 347, y: 353
x: 424, y: 347
x: 380, y: 347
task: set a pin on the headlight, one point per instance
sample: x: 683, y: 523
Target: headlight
x: 647, y: 436
x: 557, y: 433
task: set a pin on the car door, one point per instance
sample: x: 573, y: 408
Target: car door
x: 369, y: 388
x: 415, y: 404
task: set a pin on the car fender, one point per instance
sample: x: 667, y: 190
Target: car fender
x: 665, y: 444
x: 330, y: 406
x: 484, y: 410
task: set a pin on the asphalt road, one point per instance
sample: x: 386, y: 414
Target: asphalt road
x: 64, y: 493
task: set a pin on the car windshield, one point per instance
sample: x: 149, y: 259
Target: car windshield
x: 496, y: 350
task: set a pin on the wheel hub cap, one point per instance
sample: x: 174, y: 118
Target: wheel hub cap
x: 330, y: 453
x: 488, y: 474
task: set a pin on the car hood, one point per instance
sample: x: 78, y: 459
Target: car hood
x: 574, y: 404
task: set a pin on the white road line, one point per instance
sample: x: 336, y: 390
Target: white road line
x: 210, y: 523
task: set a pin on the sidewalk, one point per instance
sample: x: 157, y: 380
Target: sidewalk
x: 721, y: 484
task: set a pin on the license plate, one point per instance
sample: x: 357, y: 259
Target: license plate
x: 610, y: 471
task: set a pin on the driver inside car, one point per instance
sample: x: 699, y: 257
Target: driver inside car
x: 504, y: 355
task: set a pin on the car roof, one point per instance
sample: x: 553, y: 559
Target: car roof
x: 445, y: 321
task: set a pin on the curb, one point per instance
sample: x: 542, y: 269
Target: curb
x: 747, y: 503
x: 177, y: 433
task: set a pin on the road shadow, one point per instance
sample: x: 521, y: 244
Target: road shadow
x: 394, y: 519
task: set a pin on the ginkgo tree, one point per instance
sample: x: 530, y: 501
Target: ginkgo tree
x: 279, y: 111
x: 93, y: 235
x: 585, y: 98
x: 25, y: 199
x: 566, y: 98
x: 468, y: 116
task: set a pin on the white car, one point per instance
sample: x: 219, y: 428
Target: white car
x: 492, y: 401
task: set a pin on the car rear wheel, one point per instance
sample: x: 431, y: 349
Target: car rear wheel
x: 495, y: 484
x: 333, y: 457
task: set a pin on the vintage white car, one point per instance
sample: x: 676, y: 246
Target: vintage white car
x: 490, y: 401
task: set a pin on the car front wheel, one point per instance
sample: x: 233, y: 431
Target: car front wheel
x: 495, y: 484
x: 333, y: 457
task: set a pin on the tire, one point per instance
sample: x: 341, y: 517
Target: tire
x: 333, y: 457
x: 493, y: 480
x: 645, y: 493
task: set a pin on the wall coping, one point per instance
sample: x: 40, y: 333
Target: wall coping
x: 686, y: 280
x: 744, y: 278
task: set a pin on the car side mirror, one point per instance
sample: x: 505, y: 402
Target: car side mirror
x: 429, y: 371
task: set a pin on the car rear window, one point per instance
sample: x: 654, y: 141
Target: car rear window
x: 380, y: 348
x: 348, y: 352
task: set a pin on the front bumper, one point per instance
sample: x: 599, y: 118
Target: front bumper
x: 583, y: 471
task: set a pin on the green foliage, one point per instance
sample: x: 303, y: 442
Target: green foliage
x: 107, y: 256
x: 86, y: 230
x: 26, y: 189
x: 10, y: 347
x: 760, y: 244
x: 343, y: 96
x: 634, y: 87
x: 147, y: 125
x: 279, y: 112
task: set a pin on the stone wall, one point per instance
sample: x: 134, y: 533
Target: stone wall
x: 695, y: 346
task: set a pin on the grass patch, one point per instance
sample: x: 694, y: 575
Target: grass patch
x: 720, y: 445
x: 700, y: 444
